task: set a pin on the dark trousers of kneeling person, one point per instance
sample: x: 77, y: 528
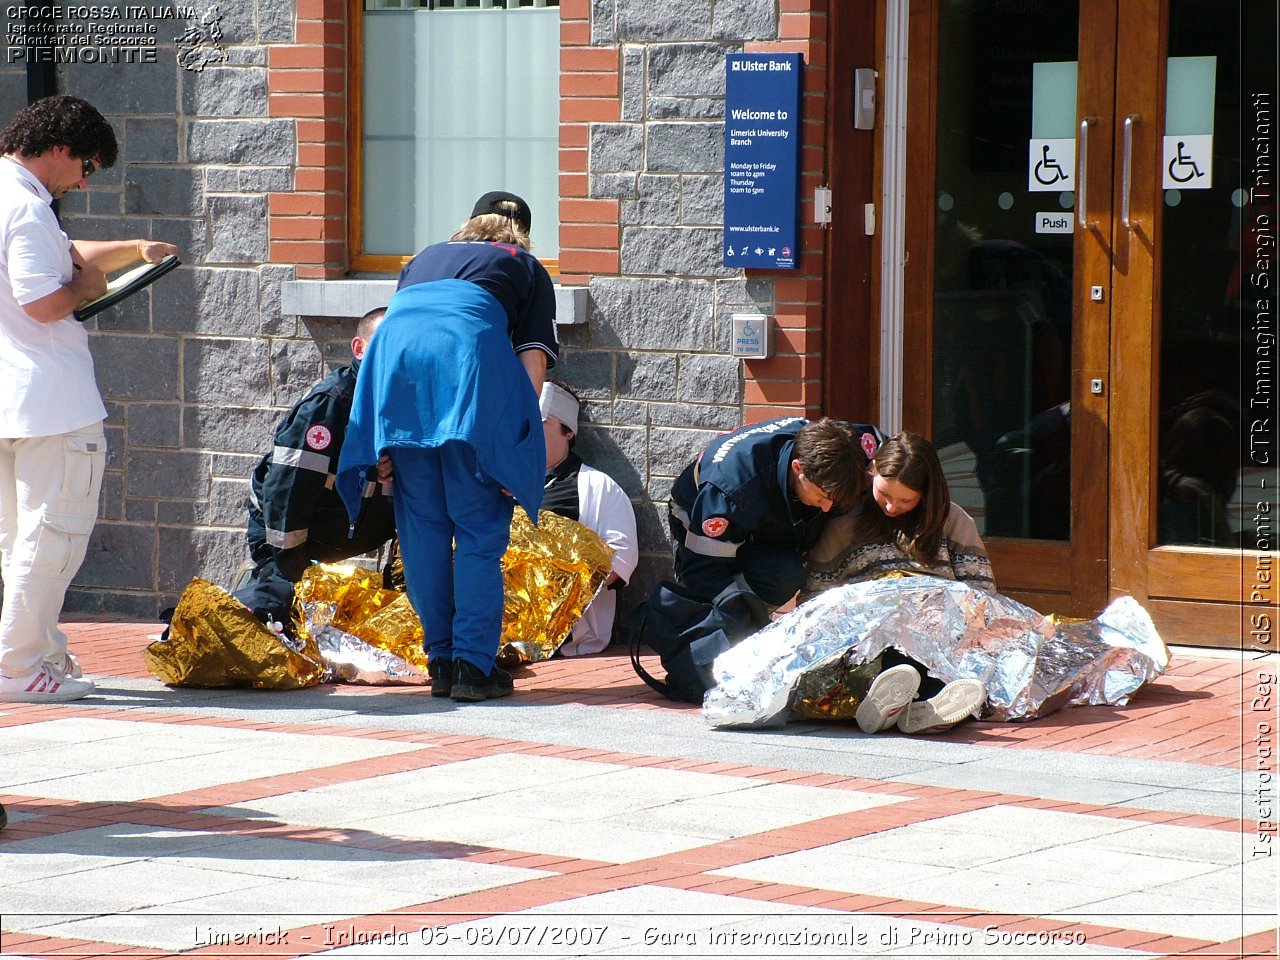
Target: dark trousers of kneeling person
x: 269, y: 592
x: 774, y: 574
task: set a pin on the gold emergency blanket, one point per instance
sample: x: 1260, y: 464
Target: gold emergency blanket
x: 366, y: 634
x: 550, y: 573
x: 833, y: 692
x: 1029, y: 664
x: 350, y: 629
x: 216, y: 641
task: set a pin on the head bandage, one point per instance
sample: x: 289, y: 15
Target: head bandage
x: 559, y: 404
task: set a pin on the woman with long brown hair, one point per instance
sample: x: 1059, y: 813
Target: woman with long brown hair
x: 905, y: 524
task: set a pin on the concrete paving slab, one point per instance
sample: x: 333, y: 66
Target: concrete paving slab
x: 988, y: 891
x: 1210, y: 803
x: 31, y: 907
x: 1133, y: 770
x: 745, y: 812
x: 179, y: 932
x: 115, y: 843
x: 585, y: 809
x: 211, y: 756
x: 1048, y: 827
x: 1167, y: 840
x: 228, y: 888
x: 149, y: 883
x: 1076, y: 789
x: 837, y: 866
x: 1108, y: 872
x: 924, y: 844
x: 596, y: 841
x: 1236, y: 782
x: 1250, y: 886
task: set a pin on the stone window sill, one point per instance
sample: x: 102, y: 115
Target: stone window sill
x: 357, y: 296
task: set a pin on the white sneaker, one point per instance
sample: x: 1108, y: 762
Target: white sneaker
x: 888, y: 694
x: 954, y: 702
x: 68, y: 666
x: 46, y: 685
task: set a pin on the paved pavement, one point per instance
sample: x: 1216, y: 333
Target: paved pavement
x: 586, y: 817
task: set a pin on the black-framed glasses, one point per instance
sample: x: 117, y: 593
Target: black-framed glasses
x: 87, y: 168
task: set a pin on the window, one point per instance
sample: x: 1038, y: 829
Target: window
x: 455, y: 98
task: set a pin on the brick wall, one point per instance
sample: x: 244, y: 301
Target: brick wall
x: 642, y: 187
x: 306, y: 81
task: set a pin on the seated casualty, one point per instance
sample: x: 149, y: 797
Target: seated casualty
x: 580, y: 492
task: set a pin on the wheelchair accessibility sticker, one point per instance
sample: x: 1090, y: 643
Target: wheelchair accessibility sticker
x: 1188, y: 162
x: 1051, y: 165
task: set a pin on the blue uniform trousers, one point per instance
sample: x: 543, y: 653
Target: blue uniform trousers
x: 454, y: 523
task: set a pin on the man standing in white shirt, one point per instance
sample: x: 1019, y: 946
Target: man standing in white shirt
x: 52, y: 447
x: 581, y: 492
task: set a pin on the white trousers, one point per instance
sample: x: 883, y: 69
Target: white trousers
x: 49, y: 490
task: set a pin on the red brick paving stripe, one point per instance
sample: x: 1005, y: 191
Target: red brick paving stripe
x: 1125, y: 939
x: 1226, y: 824
x: 1181, y: 946
x: 1264, y: 944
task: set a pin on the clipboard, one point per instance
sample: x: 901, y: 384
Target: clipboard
x: 126, y: 285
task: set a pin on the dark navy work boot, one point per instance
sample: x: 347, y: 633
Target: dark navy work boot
x: 469, y: 684
x: 441, y: 671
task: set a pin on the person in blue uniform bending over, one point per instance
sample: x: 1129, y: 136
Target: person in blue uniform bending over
x: 448, y: 392
x: 296, y: 517
x: 752, y: 505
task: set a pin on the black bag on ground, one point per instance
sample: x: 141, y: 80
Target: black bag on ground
x: 689, y: 633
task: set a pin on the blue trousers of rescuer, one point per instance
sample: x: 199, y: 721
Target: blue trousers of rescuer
x: 454, y: 524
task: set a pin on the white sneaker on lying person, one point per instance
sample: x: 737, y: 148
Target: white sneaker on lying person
x: 954, y: 702
x: 890, y: 692
x: 46, y: 685
x: 68, y: 666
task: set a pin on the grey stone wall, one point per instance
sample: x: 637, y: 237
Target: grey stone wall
x: 195, y: 371
x: 652, y: 363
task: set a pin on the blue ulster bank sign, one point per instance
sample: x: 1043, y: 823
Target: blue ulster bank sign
x: 762, y: 159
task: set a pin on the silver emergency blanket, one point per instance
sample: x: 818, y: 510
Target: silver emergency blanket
x: 349, y: 659
x: 1030, y: 664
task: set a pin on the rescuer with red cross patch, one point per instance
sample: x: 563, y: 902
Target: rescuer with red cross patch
x: 753, y: 504
x: 296, y: 517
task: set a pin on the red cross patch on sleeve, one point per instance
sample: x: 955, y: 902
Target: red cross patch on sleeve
x: 715, y: 526
x: 319, y: 437
x: 869, y: 445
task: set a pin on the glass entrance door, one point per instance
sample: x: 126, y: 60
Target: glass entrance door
x: 1075, y: 277
x: 995, y: 269
x: 1004, y: 263
x: 1193, y: 331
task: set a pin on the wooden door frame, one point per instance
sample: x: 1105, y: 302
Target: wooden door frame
x: 849, y: 335
x: 1135, y: 292
x: 1092, y: 415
